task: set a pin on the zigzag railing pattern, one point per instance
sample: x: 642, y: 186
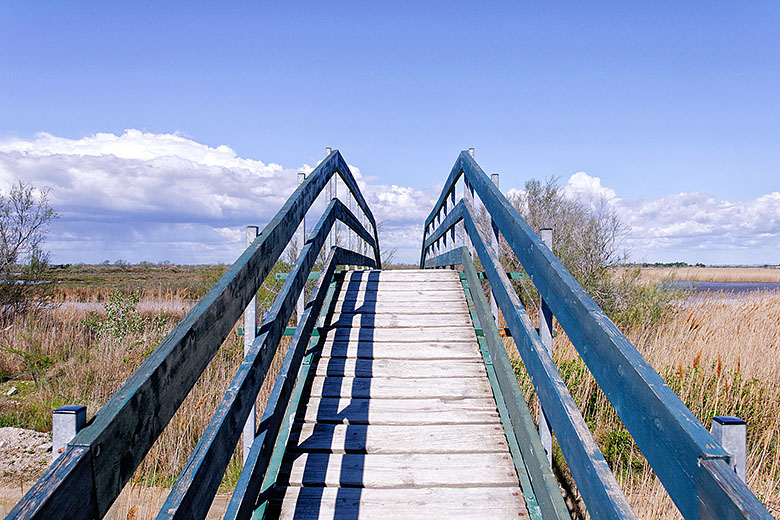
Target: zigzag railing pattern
x: 690, y: 463
x: 98, y: 462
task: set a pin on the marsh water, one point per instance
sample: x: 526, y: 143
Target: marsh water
x: 726, y: 287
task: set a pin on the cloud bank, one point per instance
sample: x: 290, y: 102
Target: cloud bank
x: 143, y: 196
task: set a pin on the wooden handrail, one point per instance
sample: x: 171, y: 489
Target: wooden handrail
x: 99, y: 461
x: 670, y: 437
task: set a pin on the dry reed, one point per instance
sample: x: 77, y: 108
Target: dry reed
x: 56, y: 358
x: 721, y: 355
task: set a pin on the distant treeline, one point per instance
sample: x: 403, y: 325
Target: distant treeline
x: 686, y: 264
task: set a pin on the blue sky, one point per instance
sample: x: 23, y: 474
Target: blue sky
x: 656, y: 100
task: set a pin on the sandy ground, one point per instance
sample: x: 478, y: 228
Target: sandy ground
x: 25, y: 455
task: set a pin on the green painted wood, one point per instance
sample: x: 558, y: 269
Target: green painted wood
x: 668, y: 434
x: 545, y: 485
x: 595, y: 481
x: 312, y: 275
x: 245, y: 495
x: 124, y: 429
x: 719, y: 498
x: 194, y: 489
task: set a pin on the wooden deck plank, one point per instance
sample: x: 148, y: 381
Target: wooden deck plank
x: 400, y: 307
x: 394, y: 287
x: 414, y: 368
x: 397, y: 320
x: 448, y: 295
x: 399, y: 420
x: 495, y: 503
x: 399, y: 388
x: 399, y: 350
x: 399, y: 412
x: 402, y: 334
x: 420, y: 275
x: 434, y: 438
x: 388, y: 471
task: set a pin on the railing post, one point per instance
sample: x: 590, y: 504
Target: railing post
x: 497, y: 251
x: 301, y: 239
x: 250, y: 329
x: 468, y: 198
x: 731, y: 433
x: 452, y: 202
x: 66, y: 421
x: 331, y: 194
x: 545, y: 334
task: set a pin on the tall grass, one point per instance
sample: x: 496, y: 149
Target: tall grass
x: 66, y: 356
x: 720, y: 355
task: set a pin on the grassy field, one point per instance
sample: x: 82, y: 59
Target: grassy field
x: 712, y: 274
x: 719, y: 354
x: 69, y: 355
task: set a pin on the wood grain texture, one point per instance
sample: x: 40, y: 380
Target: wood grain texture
x: 409, y: 295
x: 434, y: 438
x: 397, y: 412
x: 406, y: 275
x: 401, y: 350
x: 400, y: 416
x: 400, y: 388
x: 400, y: 307
x: 495, y: 503
x: 407, y: 470
x: 398, y: 320
x: 402, y: 334
x: 408, y: 368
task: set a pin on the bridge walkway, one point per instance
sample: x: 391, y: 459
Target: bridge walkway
x: 398, y: 419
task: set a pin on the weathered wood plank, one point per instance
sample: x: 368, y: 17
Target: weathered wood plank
x: 413, y: 368
x: 399, y: 412
x: 400, y: 307
x: 408, y: 470
x: 445, y: 295
x: 415, y: 335
x: 498, y: 503
x: 398, y: 321
x: 361, y: 438
x: 398, y: 350
x: 393, y: 287
x: 399, y: 388
x: 406, y: 275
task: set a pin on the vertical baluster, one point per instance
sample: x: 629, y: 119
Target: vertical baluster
x: 496, y: 249
x: 250, y: 329
x: 300, y: 235
x: 545, y: 333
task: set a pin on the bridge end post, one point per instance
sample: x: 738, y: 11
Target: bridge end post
x: 66, y: 422
x: 250, y: 329
x: 731, y: 433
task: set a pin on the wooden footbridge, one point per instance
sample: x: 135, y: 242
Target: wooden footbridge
x: 396, y: 397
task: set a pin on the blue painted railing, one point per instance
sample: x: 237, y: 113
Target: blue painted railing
x: 689, y: 462
x: 87, y: 478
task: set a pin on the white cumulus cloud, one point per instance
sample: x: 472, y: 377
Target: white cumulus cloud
x: 145, y: 196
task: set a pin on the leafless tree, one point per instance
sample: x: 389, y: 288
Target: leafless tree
x: 24, y: 266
